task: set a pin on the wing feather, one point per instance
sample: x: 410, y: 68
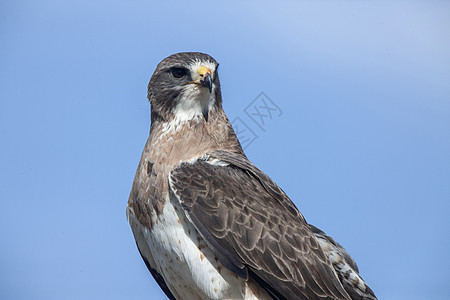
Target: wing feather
x: 345, y: 266
x: 254, y: 228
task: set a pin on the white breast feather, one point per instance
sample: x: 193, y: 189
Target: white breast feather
x: 188, y: 266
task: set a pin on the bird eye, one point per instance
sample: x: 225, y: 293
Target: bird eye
x: 178, y: 72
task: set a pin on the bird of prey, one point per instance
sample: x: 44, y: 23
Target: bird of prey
x: 207, y: 222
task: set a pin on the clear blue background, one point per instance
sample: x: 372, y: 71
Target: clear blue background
x: 362, y: 146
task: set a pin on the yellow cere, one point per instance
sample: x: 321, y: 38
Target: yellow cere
x: 203, y: 70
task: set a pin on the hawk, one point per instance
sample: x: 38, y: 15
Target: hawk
x: 207, y: 222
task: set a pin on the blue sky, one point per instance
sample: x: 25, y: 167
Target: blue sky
x: 362, y: 145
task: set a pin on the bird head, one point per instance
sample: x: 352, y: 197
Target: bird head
x: 184, y: 86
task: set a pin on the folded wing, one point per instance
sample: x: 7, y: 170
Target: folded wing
x: 254, y: 228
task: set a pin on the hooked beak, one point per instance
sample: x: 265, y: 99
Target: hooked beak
x: 206, y: 81
x: 205, y: 77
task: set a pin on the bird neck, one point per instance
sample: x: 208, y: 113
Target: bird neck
x: 185, y: 140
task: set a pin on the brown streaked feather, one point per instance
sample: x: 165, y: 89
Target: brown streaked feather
x: 250, y: 223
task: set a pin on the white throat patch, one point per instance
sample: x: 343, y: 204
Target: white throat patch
x: 195, y: 99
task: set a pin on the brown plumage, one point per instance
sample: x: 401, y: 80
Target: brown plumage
x: 208, y: 223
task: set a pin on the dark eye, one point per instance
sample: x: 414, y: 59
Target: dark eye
x: 178, y: 72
